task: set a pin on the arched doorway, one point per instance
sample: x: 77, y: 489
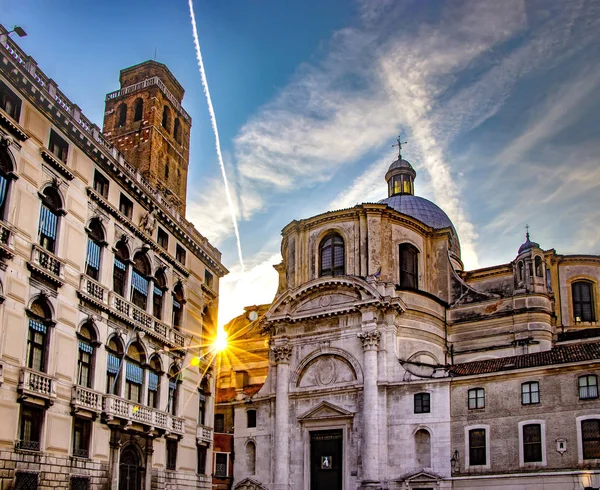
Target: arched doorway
x: 130, y: 470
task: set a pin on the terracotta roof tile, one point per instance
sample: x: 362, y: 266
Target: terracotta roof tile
x: 558, y: 355
x: 225, y: 395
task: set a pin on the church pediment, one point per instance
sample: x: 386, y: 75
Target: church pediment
x: 250, y: 484
x: 327, y: 296
x: 325, y: 411
x: 421, y: 477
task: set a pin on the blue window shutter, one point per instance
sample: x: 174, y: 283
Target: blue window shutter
x: 113, y: 364
x: 139, y: 283
x: 3, y: 187
x: 134, y: 373
x: 85, y: 347
x: 158, y: 292
x: 93, y: 254
x: 153, y: 381
x: 120, y: 265
x: 48, y: 222
x: 37, y: 325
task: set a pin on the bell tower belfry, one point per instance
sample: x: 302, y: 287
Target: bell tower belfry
x: 146, y: 122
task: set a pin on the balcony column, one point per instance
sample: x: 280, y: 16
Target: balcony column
x: 370, y: 343
x: 128, y: 276
x: 282, y: 354
x: 149, y: 452
x: 150, y: 297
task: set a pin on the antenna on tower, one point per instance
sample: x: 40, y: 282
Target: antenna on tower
x: 155, y: 54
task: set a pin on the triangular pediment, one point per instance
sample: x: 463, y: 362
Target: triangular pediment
x: 324, y: 411
x: 250, y: 484
x: 423, y: 476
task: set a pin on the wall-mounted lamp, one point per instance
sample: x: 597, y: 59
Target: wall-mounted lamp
x: 454, y: 461
x: 18, y: 30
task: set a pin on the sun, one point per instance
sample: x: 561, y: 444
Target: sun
x: 220, y: 343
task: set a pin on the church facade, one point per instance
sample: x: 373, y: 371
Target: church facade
x: 381, y: 363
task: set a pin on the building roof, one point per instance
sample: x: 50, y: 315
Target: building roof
x: 421, y: 209
x: 562, y: 354
x: 528, y: 245
x: 225, y: 395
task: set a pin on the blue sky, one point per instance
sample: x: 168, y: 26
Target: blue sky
x: 499, y: 102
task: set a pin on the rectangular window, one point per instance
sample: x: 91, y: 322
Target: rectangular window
x: 47, y: 228
x: 36, y: 345
x: 9, y: 102
x: 172, y: 400
x: 112, y: 374
x: 201, y: 460
x: 139, y: 289
x: 219, y: 422
x: 26, y: 480
x: 80, y: 483
x: 251, y: 418
x: 162, y: 238
x: 201, y: 407
x: 100, y: 184
x: 171, y: 454
x: 81, y: 438
x: 152, y: 389
x: 30, y: 430
x: 180, y: 254
x: 422, y: 403
x: 588, y: 387
x: 208, y: 278
x: 476, y: 398
x: 84, y: 364
x: 590, y: 437
x: 177, y: 312
x: 126, y: 206
x: 583, y: 306
x: 477, y: 448
x: 532, y: 443
x: 221, y: 465
x: 530, y: 393
x: 58, y: 146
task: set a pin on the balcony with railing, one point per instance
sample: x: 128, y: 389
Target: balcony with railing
x: 25, y: 445
x: 47, y: 264
x: 204, y: 434
x: 7, y: 247
x: 35, y: 384
x: 116, y: 407
x: 94, y: 292
x: 86, y: 399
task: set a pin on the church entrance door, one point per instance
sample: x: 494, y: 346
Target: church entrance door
x: 130, y: 472
x: 326, y: 453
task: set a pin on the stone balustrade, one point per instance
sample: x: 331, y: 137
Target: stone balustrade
x: 115, y: 407
x: 47, y: 264
x: 86, y: 399
x: 35, y: 384
x: 204, y: 434
x: 102, y: 296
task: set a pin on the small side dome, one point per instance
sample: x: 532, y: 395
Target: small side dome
x: 400, y: 176
x: 528, y: 244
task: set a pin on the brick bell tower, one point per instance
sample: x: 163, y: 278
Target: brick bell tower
x: 146, y: 122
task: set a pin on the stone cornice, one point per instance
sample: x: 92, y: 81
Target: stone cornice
x: 12, y: 126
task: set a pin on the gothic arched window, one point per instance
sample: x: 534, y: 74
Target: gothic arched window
x: 160, y: 286
x: 174, y: 380
x: 154, y: 381
x: 331, y: 253
x: 40, y: 318
x: 583, y: 301
x: 178, y: 301
x: 139, y: 280
x: 409, y: 266
x: 94, y: 249
x: 520, y: 271
x: 122, y: 115
x: 134, y: 372
x: 114, y: 354
x: 120, y: 268
x: 49, y: 213
x: 138, y: 109
x: 85, y: 358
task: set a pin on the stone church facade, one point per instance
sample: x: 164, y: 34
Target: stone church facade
x: 381, y: 363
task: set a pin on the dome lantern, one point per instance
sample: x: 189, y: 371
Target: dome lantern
x: 400, y: 176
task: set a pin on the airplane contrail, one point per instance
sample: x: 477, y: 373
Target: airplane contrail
x: 213, y: 120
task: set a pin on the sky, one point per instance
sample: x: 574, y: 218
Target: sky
x: 499, y: 102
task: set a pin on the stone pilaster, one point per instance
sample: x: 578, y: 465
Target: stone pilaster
x: 370, y: 342
x: 282, y: 355
x: 115, y: 453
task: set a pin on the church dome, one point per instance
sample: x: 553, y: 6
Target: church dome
x: 528, y: 245
x: 419, y: 208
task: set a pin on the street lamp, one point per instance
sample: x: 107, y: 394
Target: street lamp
x: 18, y: 30
x: 454, y: 461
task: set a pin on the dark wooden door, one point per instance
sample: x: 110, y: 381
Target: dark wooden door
x: 130, y: 473
x: 326, y: 464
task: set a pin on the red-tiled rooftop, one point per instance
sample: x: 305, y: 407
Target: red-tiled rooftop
x: 225, y: 395
x: 558, y: 355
